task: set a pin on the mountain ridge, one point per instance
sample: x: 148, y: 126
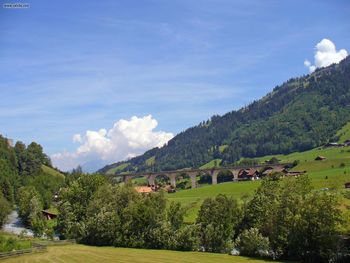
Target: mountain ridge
x: 300, y: 114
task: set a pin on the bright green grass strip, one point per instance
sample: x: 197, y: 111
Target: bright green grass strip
x: 222, y: 148
x: 211, y: 164
x: 139, y: 181
x: 192, y: 199
x: 151, y: 161
x: 117, y: 169
x: 344, y: 133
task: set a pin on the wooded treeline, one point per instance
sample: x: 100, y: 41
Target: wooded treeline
x: 24, y: 183
x: 299, y: 115
x: 284, y: 219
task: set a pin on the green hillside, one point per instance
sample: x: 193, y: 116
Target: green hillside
x: 344, y: 133
x: 27, y: 181
x: 301, y: 114
x: 332, y: 172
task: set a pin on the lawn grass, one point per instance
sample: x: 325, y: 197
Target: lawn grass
x: 192, y: 199
x: 87, y: 254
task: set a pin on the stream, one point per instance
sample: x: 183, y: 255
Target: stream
x: 14, y: 225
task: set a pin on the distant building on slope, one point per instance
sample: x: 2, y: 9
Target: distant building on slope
x: 320, y: 158
x: 144, y: 189
x: 48, y: 215
x: 10, y: 142
x: 248, y: 174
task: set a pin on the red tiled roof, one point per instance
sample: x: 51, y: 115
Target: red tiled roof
x: 143, y: 189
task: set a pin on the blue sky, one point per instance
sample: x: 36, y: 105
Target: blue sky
x: 67, y: 67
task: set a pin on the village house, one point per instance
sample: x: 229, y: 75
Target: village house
x: 295, y: 173
x: 334, y: 144
x: 144, y: 189
x: 248, y: 174
x: 320, y: 158
x: 48, y: 215
x: 271, y: 170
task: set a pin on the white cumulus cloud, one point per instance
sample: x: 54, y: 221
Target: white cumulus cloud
x: 77, y: 138
x: 127, y: 138
x: 325, y: 55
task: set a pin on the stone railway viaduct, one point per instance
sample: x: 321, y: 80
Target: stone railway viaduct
x: 213, y: 172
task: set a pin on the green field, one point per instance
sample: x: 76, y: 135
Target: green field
x: 15, y: 242
x: 192, y: 199
x: 86, y: 254
x: 51, y: 171
x: 331, y: 173
x: 117, y: 169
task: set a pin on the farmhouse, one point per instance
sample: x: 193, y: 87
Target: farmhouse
x: 295, y: 173
x: 48, y: 215
x: 144, y: 189
x: 248, y: 174
x: 270, y: 170
x: 320, y: 158
x: 334, y: 144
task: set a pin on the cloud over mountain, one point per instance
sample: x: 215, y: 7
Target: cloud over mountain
x: 325, y: 55
x: 127, y: 138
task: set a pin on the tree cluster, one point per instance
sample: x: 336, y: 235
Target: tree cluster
x: 24, y: 183
x: 285, y: 218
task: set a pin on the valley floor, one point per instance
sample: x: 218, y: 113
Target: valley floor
x: 86, y: 254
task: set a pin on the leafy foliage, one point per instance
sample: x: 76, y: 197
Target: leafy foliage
x: 252, y: 243
x: 24, y: 182
x: 217, y: 219
x: 300, y: 223
x: 285, y: 218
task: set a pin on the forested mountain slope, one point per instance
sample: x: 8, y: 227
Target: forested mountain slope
x: 298, y: 115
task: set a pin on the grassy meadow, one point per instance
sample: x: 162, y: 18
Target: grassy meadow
x: 86, y: 254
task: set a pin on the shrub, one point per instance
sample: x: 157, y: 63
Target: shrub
x: 251, y: 243
x: 186, y: 238
x: 5, y: 209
